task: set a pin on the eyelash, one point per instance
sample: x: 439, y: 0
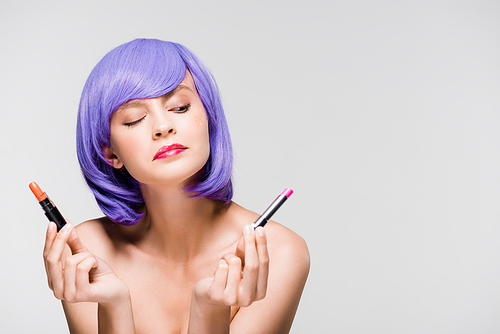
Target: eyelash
x: 182, y: 110
x: 135, y: 122
x: 179, y: 110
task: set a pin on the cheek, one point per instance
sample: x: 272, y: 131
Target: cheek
x: 203, y: 133
x: 200, y: 119
x: 204, y: 136
x: 201, y: 122
x: 127, y: 145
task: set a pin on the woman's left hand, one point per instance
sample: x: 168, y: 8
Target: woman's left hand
x: 240, y: 278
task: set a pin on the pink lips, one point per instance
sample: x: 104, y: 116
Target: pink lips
x: 169, y: 151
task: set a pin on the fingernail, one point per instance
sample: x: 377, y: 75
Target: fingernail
x: 50, y: 227
x: 261, y: 231
x: 67, y: 227
x: 222, y: 263
x: 247, y: 229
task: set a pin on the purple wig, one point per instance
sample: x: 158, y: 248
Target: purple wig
x: 141, y: 69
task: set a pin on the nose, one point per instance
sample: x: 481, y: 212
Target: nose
x: 163, y: 125
x: 162, y: 130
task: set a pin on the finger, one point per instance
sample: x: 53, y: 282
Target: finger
x: 240, y: 250
x: 54, y: 260
x: 233, y: 279
x: 70, y: 275
x: 83, y: 274
x: 220, y: 279
x: 251, y: 268
x: 262, y: 252
x: 49, y: 240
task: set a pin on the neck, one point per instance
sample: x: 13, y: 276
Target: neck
x: 176, y: 225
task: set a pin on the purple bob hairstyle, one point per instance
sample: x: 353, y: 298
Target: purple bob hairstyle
x: 141, y: 69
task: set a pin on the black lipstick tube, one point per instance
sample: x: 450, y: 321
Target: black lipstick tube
x: 52, y: 213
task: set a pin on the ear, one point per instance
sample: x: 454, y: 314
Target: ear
x: 111, y: 157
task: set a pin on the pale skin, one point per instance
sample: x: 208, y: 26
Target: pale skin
x: 191, y: 265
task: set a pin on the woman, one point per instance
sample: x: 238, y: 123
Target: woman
x: 173, y: 254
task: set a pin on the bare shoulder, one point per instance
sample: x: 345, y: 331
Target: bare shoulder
x: 96, y: 235
x: 287, y: 248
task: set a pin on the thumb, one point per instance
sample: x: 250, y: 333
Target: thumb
x: 74, y: 242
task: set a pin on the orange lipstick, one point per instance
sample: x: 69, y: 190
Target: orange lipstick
x: 51, y: 211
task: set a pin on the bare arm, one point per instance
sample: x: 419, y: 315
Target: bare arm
x: 91, y: 318
x: 75, y: 275
x: 281, y: 283
x: 240, y: 279
x: 289, y: 268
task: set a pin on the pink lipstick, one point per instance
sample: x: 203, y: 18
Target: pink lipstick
x: 264, y: 218
x: 169, y: 151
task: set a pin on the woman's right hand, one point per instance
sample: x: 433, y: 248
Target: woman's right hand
x: 79, y: 276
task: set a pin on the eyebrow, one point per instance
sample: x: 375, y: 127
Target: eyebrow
x: 177, y: 89
x: 140, y: 102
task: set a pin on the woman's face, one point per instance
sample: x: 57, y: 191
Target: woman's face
x: 161, y: 140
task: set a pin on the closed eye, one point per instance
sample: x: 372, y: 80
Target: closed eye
x: 129, y: 124
x: 181, y: 110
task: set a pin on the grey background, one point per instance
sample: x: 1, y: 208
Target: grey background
x: 382, y: 116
